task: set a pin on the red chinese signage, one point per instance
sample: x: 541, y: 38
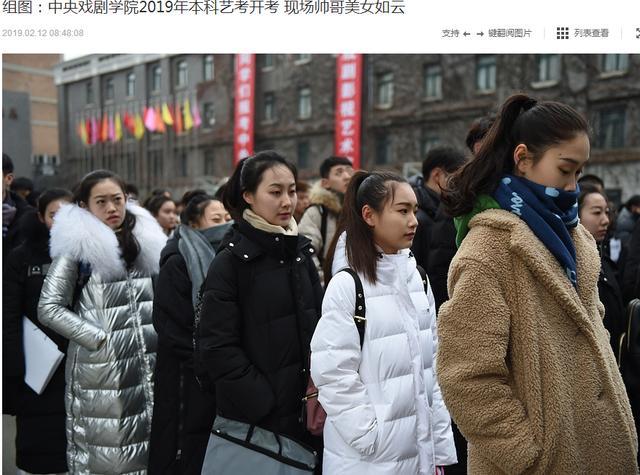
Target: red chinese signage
x: 245, y: 72
x: 349, y: 107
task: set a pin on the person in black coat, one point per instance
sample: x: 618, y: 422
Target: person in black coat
x: 594, y: 215
x: 261, y: 302
x: 435, y: 242
x: 631, y: 277
x: 40, y: 419
x: 183, y: 412
x: 14, y: 207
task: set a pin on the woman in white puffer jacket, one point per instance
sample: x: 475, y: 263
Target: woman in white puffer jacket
x: 385, y: 413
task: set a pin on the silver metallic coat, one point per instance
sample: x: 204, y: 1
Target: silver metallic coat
x: 111, y: 355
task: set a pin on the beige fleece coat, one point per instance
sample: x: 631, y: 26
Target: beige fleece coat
x: 311, y: 221
x: 524, y: 361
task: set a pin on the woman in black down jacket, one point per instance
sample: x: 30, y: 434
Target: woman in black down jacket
x: 40, y: 419
x: 183, y: 413
x: 262, y: 299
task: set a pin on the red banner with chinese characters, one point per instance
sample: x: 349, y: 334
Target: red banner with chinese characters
x: 349, y: 107
x: 245, y: 72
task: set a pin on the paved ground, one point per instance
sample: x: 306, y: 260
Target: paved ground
x: 8, y: 445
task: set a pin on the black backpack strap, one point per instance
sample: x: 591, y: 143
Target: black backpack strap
x: 359, y: 314
x: 425, y: 281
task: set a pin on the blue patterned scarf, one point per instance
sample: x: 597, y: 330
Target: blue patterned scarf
x: 549, y: 212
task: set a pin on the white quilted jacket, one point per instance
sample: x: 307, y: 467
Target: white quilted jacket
x: 384, y: 407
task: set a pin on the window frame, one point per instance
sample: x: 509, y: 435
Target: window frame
x: 491, y: 77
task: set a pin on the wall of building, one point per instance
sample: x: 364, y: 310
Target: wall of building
x: 406, y: 129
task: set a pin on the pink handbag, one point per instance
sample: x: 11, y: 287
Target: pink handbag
x: 313, y: 414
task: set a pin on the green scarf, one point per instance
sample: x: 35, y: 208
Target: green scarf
x: 483, y: 203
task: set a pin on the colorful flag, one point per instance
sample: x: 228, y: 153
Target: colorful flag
x: 178, y: 119
x: 188, y: 119
x: 95, y: 132
x: 150, y: 118
x: 130, y: 123
x: 112, y: 130
x: 82, y: 130
x: 87, y: 126
x: 166, y: 114
x: 118, y: 127
x: 197, y: 121
x: 139, y: 127
x: 160, y: 128
x: 104, y: 132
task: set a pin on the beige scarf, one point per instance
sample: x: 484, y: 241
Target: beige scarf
x: 260, y: 223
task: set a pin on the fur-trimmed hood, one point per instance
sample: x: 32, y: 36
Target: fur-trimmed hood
x: 81, y: 236
x: 321, y: 196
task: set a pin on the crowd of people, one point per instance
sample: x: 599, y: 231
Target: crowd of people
x: 482, y: 317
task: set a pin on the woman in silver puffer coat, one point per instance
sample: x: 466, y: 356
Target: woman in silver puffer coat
x: 98, y: 293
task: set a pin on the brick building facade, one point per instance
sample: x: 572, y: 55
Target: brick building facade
x: 30, y: 115
x: 410, y: 104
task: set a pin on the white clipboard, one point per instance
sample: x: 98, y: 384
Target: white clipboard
x: 41, y: 356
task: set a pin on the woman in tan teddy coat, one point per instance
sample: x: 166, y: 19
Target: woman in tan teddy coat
x: 524, y: 361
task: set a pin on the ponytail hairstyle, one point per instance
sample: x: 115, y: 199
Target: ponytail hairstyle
x: 129, y: 246
x: 194, y: 205
x: 375, y: 189
x: 247, y: 176
x: 522, y: 120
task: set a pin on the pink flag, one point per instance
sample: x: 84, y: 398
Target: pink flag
x: 197, y: 121
x: 95, y: 133
x: 150, y: 118
x: 112, y: 130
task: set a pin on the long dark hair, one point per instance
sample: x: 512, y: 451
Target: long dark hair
x: 51, y: 195
x: 247, y: 176
x: 522, y: 120
x: 129, y: 245
x: 375, y: 189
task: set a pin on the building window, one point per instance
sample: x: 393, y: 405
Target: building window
x: 109, y: 91
x: 208, y: 67
x: 486, y: 74
x: 427, y: 143
x: 182, y: 75
x: 303, y: 155
x: 267, y: 61
x: 383, y: 149
x: 89, y: 92
x: 433, y: 81
x: 614, y: 63
x: 157, y: 165
x: 209, y: 163
x: 132, y: 167
x: 269, y: 107
x: 385, y: 90
x: 131, y: 84
x: 302, y: 58
x: 548, y: 66
x: 208, y: 111
x: 611, y: 131
x: 304, y: 103
x: 156, y: 78
x: 183, y: 162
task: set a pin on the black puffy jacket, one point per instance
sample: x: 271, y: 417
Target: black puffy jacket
x: 262, y: 300
x: 41, y: 442
x: 183, y: 413
x: 435, y: 242
x: 611, y: 298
